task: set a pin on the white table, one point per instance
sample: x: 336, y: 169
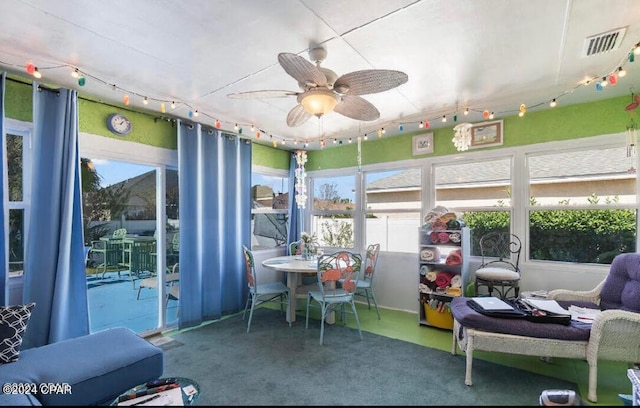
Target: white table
x: 293, y: 266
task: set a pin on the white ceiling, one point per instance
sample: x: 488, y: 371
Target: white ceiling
x: 458, y: 54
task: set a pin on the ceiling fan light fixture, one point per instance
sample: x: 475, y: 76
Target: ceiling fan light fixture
x: 318, y: 101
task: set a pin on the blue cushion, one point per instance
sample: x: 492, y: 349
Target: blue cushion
x: 97, y: 367
x: 468, y: 317
x: 621, y: 289
x: 14, y: 400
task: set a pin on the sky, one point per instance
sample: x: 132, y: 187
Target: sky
x: 113, y: 172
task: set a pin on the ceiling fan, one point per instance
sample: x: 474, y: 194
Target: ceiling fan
x: 322, y: 91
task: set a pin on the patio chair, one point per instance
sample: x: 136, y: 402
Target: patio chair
x: 294, y: 247
x: 260, y: 293
x: 341, y: 265
x: 109, y: 250
x: 364, y: 288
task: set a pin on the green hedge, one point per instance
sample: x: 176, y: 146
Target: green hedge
x: 581, y: 236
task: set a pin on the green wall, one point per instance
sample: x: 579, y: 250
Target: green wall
x: 148, y: 128
x: 559, y: 123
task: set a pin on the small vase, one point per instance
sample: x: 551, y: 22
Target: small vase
x: 307, y: 252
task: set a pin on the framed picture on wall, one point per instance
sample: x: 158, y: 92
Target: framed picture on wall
x: 486, y: 134
x: 423, y: 144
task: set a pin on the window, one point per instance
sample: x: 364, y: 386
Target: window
x: 480, y: 192
x: 333, y: 211
x: 392, y: 211
x: 19, y: 157
x: 582, y: 205
x: 269, y: 209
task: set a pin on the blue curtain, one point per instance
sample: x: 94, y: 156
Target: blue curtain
x: 214, y: 175
x: 54, y: 270
x: 4, y: 214
x: 295, y: 217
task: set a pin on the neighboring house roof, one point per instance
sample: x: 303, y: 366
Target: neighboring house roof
x: 583, y: 164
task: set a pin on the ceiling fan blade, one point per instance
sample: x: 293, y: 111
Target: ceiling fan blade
x: 301, y: 70
x: 369, y: 81
x: 297, y: 116
x: 358, y: 108
x: 262, y: 94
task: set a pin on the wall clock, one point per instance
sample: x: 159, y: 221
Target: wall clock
x: 119, y: 124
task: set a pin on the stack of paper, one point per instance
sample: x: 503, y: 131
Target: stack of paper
x: 583, y: 314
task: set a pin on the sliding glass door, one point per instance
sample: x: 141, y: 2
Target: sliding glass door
x: 121, y: 236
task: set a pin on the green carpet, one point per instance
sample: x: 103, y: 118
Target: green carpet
x: 276, y: 364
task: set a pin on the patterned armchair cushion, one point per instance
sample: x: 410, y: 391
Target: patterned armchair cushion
x: 13, y: 323
x: 621, y: 289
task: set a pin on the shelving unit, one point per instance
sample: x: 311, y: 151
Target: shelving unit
x: 435, y: 247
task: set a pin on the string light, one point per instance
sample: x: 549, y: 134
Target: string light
x: 30, y: 67
x: 621, y: 72
x: 601, y: 81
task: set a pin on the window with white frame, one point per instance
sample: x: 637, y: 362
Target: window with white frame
x: 582, y: 204
x: 18, y: 159
x: 479, y: 191
x: 333, y: 209
x: 393, y: 202
x: 269, y: 208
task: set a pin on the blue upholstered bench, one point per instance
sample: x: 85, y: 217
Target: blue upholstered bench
x: 97, y: 368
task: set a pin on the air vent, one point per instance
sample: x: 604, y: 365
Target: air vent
x: 604, y: 42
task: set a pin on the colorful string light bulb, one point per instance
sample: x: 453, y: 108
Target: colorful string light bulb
x: 30, y: 67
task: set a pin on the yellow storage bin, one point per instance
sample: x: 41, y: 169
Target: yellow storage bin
x: 443, y: 320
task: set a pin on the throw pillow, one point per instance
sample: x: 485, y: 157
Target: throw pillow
x: 13, y: 323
